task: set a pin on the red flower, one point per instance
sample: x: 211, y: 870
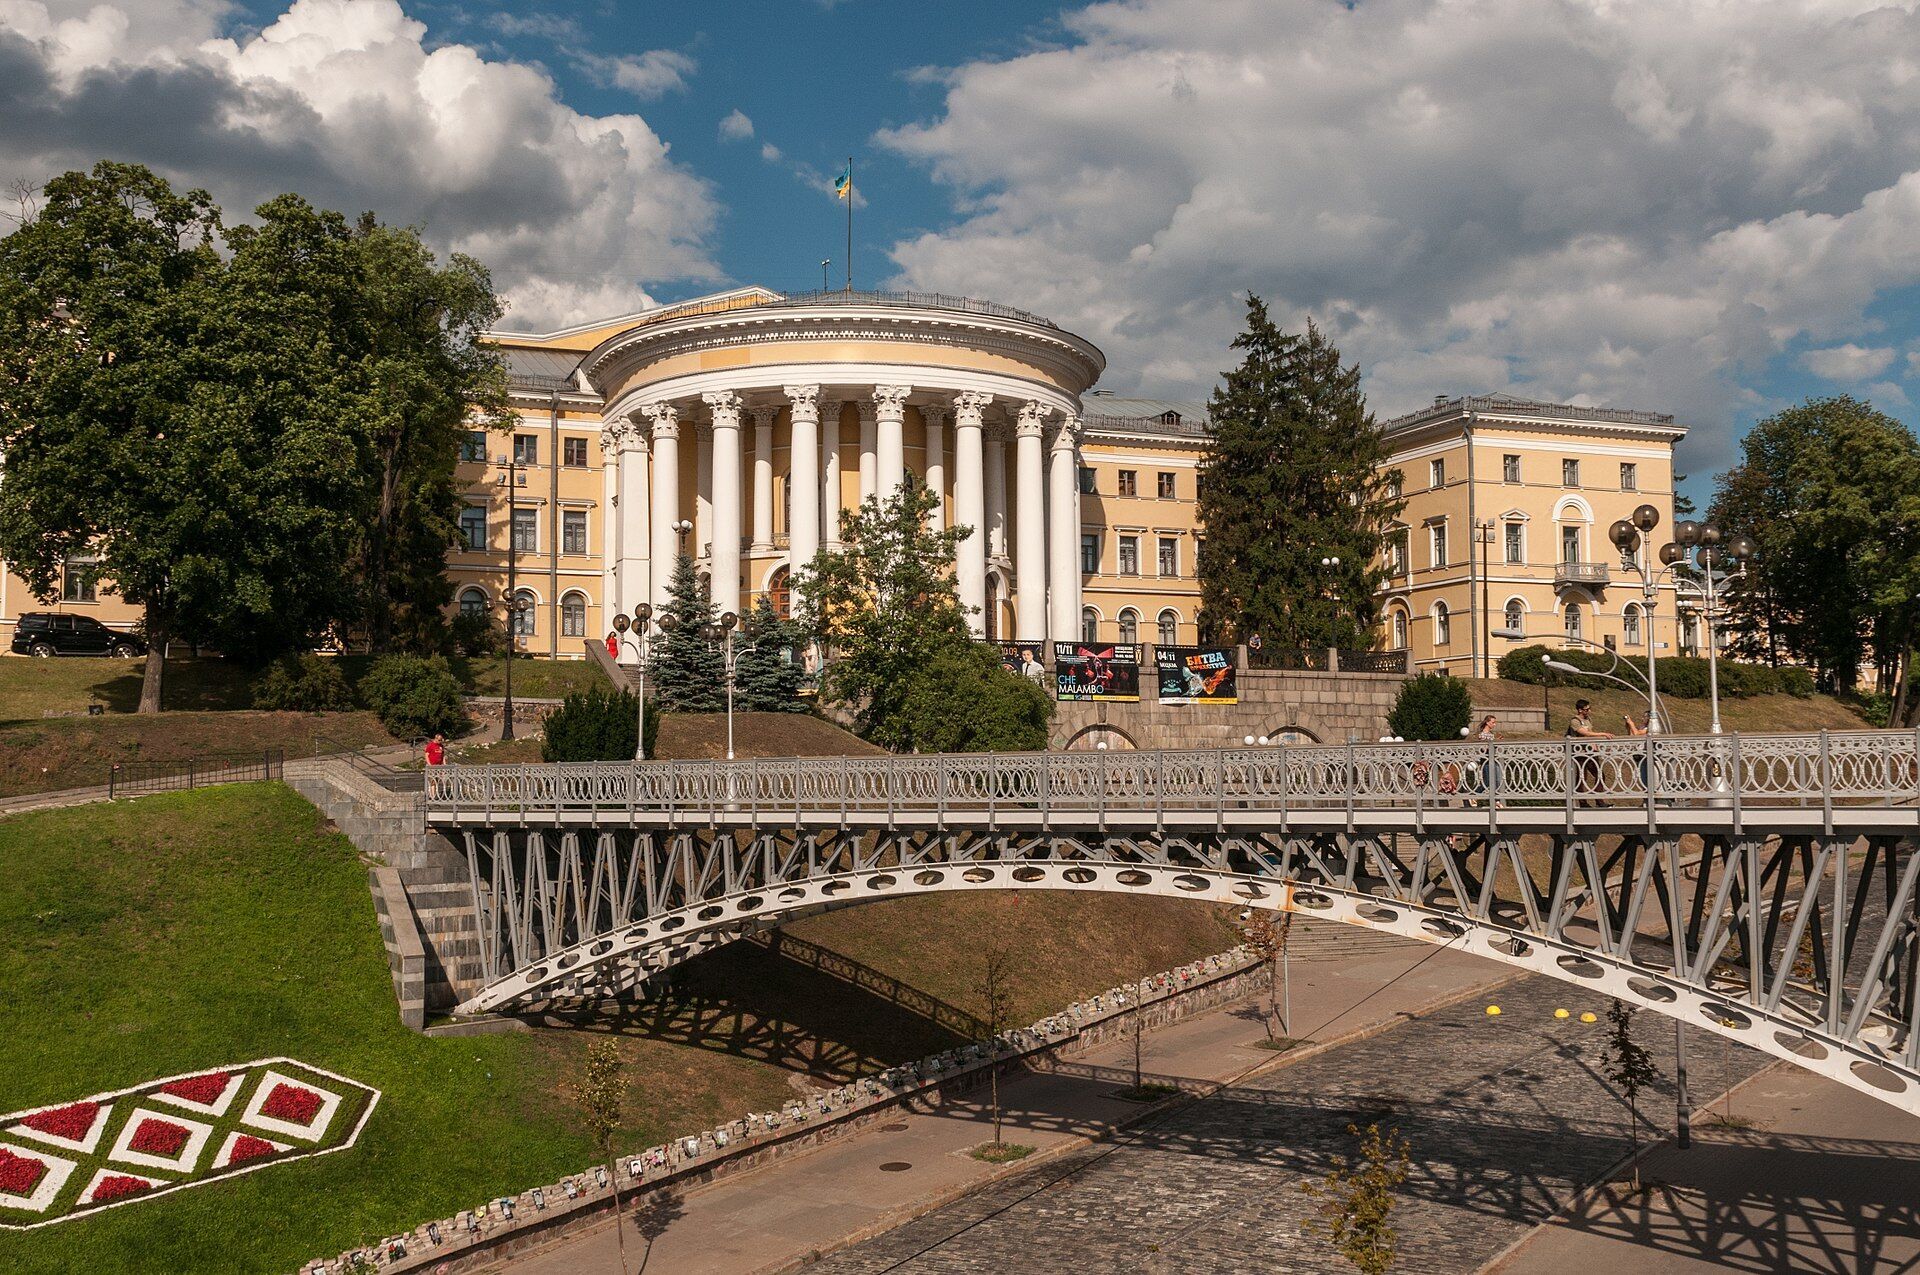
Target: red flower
x: 201, y: 1089
x: 70, y: 1122
x: 115, y: 1185
x: 292, y: 1104
x: 247, y: 1147
x: 19, y: 1174
x: 159, y: 1137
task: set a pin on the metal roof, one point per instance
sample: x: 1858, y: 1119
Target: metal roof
x: 540, y: 369
x: 1144, y: 415
x: 1442, y: 407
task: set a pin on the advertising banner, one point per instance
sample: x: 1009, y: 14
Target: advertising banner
x: 1108, y: 671
x: 1196, y: 674
x: 1024, y: 658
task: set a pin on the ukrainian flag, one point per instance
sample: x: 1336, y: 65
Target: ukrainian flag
x: 843, y: 184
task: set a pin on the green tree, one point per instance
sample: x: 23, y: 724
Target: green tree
x: 1431, y: 706
x: 688, y: 673
x: 1295, y: 471
x: 995, y: 990
x: 597, y: 725
x: 1356, y: 1200
x: 963, y: 700
x: 1830, y: 491
x: 885, y: 606
x: 1628, y: 1065
x: 601, y: 1092
x: 770, y: 671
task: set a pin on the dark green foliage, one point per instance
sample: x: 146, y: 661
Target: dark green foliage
x: 687, y: 673
x: 1681, y: 676
x: 413, y: 695
x: 771, y: 668
x: 1295, y: 471
x: 473, y: 636
x: 1797, y: 682
x: 597, y: 726
x: 303, y: 684
x: 1431, y: 706
x: 965, y: 701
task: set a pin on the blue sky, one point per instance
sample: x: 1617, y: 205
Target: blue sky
x: 1702, y: 209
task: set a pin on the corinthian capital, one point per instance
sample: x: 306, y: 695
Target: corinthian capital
x: 725, y: 405
x: 664, y: 418
x: 1066, y: 435
x: 613, y: 435
x: 805, y: 399
x: 891, y: 400
x: 968, y: 405
x: 1033, y: 420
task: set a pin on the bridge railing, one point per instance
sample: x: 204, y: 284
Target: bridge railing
x: 1852, y: 768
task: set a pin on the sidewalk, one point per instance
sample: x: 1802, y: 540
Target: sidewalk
x: 816, y: 1202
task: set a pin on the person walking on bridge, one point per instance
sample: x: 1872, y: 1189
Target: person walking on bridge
x: 1587, y: 766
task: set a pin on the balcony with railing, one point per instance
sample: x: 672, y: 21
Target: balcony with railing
x: 1565, y: 573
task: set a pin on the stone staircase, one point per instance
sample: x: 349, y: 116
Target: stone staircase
x: 621, y: 675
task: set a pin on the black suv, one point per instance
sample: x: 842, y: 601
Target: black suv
x: 45, y: 633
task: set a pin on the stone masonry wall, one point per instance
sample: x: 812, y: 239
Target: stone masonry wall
x: 1328, y: 707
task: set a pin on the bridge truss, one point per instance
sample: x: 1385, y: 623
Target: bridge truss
x: 1760, y: 887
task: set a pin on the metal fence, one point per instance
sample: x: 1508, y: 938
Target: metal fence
x: 1313, y: 660
x: 1373, y: 661
x: 133, y: 778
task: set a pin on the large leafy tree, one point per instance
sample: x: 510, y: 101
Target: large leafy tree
x: 1830, y: 491
x: 1295, y: 472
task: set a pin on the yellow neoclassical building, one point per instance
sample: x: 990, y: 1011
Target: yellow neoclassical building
x: 737, y: 427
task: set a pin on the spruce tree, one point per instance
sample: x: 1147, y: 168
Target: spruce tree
x: 768, y: 676
x: 1294, y: 473
x: 687, y: 673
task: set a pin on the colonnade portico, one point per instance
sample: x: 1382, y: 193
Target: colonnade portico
x: 778, y: 504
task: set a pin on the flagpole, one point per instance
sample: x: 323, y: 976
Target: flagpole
x: 849, y: 224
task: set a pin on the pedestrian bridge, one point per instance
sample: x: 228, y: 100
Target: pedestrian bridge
x: 1760, y: 886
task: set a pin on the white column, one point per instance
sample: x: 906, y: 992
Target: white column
x: 890, y: 451
x: 970, y: 507
x: 1029, y: 522
x: 803, y: 476
x: 936, y: 419
x: 725, y: 563
x: 869, y: 449
x: 702, y: 488
x: 830, y: 473
x: 665, y: 420
x: 763, y: 478
x: 635, y: 520
x: 1063, y: 530
x: 996, y: 436
x: 612, y: 434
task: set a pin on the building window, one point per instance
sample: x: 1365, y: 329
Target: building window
x: 1510, y: 468
x: 1437, y: 543
x: 573, y: 531
x: 1129, y: 625
x: 1516, y: 615
x: 1168, y: 490
x: 1629, y: 476
x: 573, y: 615
x: 1089, y: 482
x: 1129, y: 482
x: 573, y: 453
x: 1574, y: 630
x: 473, y: 602
x: 1089, y: 625
x: 1399, y: 630
x: 1569, y: 544
x: 1129, y: 555
x: 1169, y: 557
x: 1442, y: 624
x: 473, y: 526
x: 474, y: 445
x: 1397, y: 553
x: 526, y: 531
x: 1395, y: 486
x: 79, y: 580
x: 523, y: 619
x: 1169, y: 627
x: 1090, y: 553
x: 1516, y: 550
x: 1630, y: 624
x: 1569, y: 473
x: 526, y: 449
x: 1437, y: 473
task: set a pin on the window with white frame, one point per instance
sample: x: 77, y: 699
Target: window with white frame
x: 1129, y: 555
x: 473, y: 526
x: 1437, y: 544
x: 573, y: 615
x: 1168, y: 489
x: 1630, y: 624
x: 1575, y: 628
x: 1516, y: 544
x: 1129, y: 483
x: 1399, y: 630
x: 1129, y: 625
x: 573, y: 531
x: 1629, y: 476
x: 526, y: 531
x: 1569, y: 473
x: 1089, y: 625
x: 523, y: 617
x: 473, y: 602
x: 1510, y: 468
x: 1437, y: 472
x: 1569, y: 544
x: 1442, y: 624
x: 1169, y: 557
x: 1169, y: 627
x: 1516, y: 616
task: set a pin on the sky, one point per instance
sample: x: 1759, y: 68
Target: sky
x: 1704, y: 207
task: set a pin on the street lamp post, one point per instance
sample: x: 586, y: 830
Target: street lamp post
x: 1631, y: 537
x: 722, y: 634
x: 639, y: 626
x: 1709, y: 549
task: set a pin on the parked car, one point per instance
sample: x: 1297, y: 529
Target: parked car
x: 45, y: 633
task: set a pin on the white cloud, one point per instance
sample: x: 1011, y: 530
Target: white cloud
x: 645, y: 75
x: 735, y: 126
x: 1847, y: 362
x: 1633, y: 202
x: 1884, y: 394
x: 345, y: 102
x: 770, y: 153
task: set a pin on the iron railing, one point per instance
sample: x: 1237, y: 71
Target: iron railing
x: 1373, y: 661
x: 1581, y: 573
x: 392, y: 778
x: 840, y: 296
x: 1827, y: 769
x: 134, y: 778
x: 1312, y: 660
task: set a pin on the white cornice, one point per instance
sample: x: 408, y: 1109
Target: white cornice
x: 1008, y: 391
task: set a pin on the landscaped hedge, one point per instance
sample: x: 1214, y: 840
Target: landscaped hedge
x: 1681, y: 676
x: 1431, y: 706
x: 598, y: 726
x: 302, y: 684
x: 414, y: 695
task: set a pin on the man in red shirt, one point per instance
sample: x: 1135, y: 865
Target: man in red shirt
x: 436, y: 751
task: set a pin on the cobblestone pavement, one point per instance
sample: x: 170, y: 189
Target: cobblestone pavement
x: 1505, y: 1116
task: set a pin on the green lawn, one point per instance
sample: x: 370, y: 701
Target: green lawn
x: 1690, y: 716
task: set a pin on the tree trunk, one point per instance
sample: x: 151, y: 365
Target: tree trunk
x: 1902, y: 672
x: 379, y: 600
x: 156, y: 660
x: 619, y: 1223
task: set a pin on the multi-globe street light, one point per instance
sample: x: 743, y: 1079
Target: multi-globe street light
x: 640, y: 626
x: 721, y: 633
x: 1704, y: 548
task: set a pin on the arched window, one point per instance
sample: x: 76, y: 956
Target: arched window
x: 1129, y: 625
x: 523, y: 620
x: 1442, y: 624
x: 1089, y: 625
x: 473, y: 602
x: 990, y: 621
x: 1630, y: 624
x: 1574, y: 629
x: 1399, y: 630
x: 1516, y: 615
x: 573, y: 615
x: 781, y: 593
x: 1169, y: 627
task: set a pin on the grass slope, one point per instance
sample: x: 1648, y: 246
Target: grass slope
x: 1690, y: 716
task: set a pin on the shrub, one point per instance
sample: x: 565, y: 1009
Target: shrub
x: 414, y: 695
x: 965, y: 701
x: 1797, y: 682
x: 1681, y: 676
x: 1431, y: 706
x: 476, y: 635
x: 597, y: 726
x: 302, y: 684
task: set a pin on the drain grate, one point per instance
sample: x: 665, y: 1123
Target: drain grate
x: 895, y: 1166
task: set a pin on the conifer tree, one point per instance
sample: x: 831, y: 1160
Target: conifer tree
x: 1294, y: 473
x: 768, y: 676
x: 688, y: 673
